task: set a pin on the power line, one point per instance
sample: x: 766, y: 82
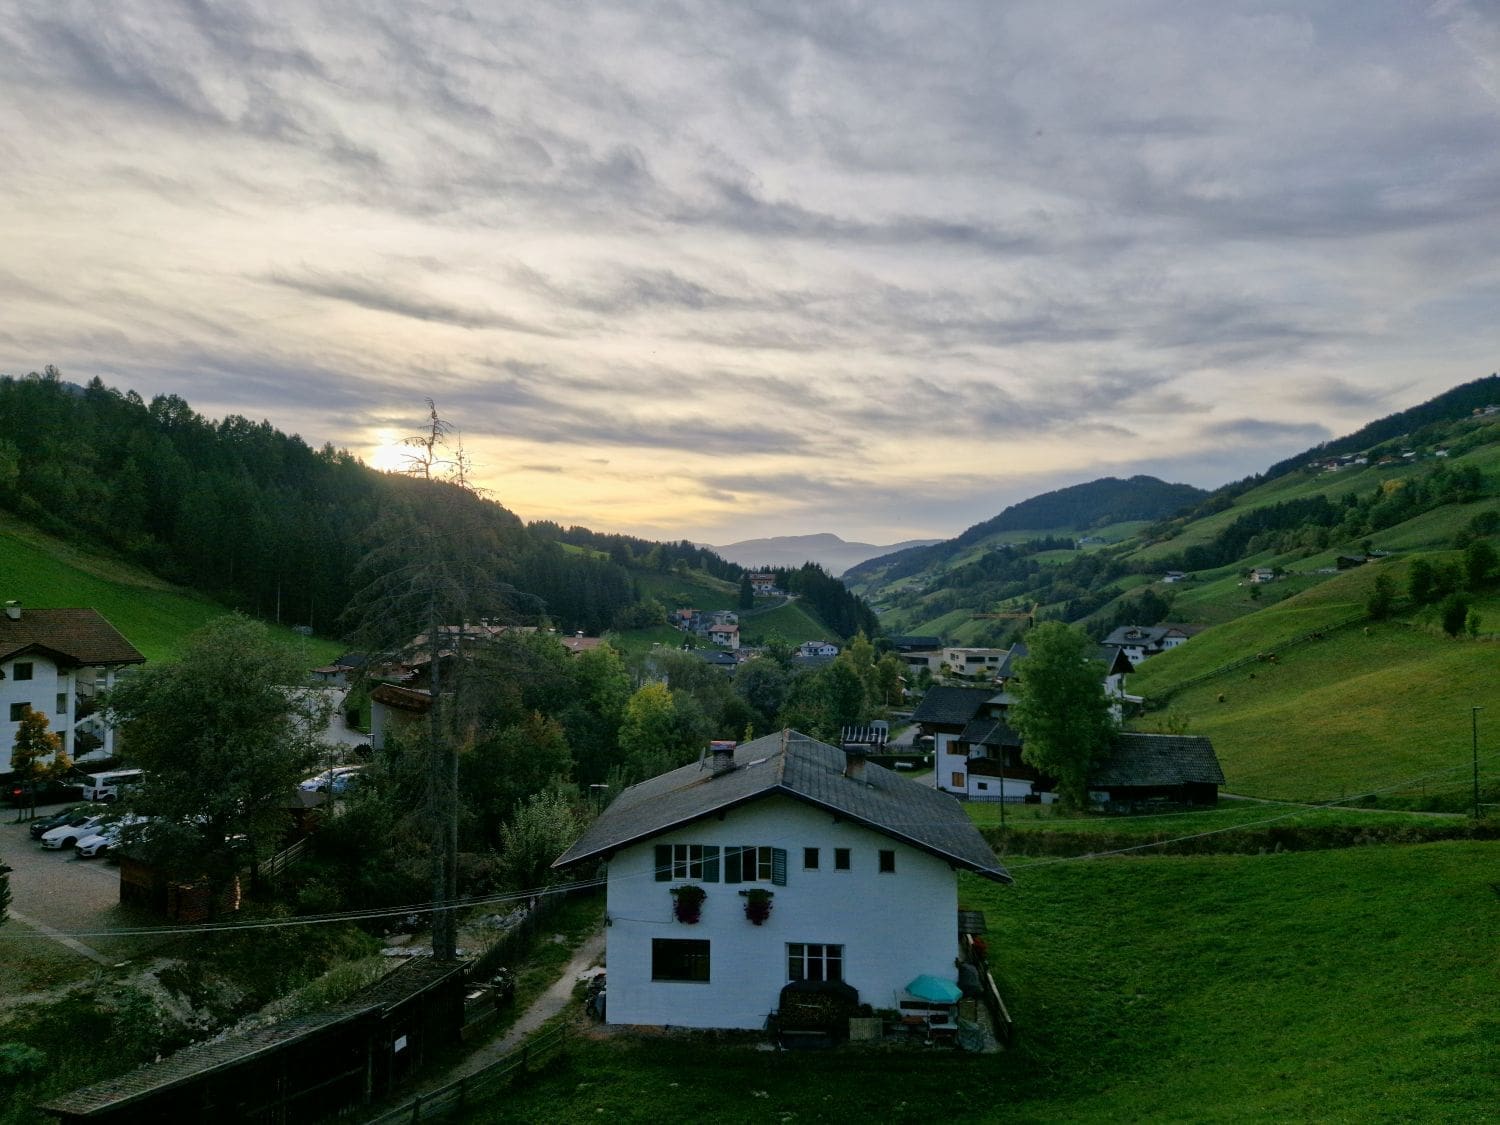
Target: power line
x: 374, y: 913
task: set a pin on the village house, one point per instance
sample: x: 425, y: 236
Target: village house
x: 55, y: 662
x: 798, y: 861
x: 726, y: 636
x: 1138, y: 642
x: 1262, y: 574
x: 1145, y: 770
x: 817, y: 648
x: 763, y: 584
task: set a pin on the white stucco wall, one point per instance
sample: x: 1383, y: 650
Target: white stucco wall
x: 946, y: 762
x: 892, y: 926
x: 41, y: 691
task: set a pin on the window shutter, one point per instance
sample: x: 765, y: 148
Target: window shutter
x: 732, y: 865
x: 711, y: 864
x: 663, y: 863
x: 778, y: 866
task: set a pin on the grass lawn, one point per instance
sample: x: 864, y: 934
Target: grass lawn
x: 1354, y: 712
x: 793, y: 623
x: 1346, y: 985
x: 1229, y: 814
x: 153, y: 615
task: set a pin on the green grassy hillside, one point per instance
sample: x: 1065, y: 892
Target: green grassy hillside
x: 1360, y: 709
x: 1348, y: 985
x: 154, y: 616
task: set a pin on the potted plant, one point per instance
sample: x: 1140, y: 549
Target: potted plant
x: 757, y: 904
x: 687, y: 902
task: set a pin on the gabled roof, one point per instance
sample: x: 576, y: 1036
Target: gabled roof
x: 1158, y: 759
x: 1007, y: 667
x: 951, y: 706
x: 80, y: 636
x: 791, y: 764
x: 989, y: 732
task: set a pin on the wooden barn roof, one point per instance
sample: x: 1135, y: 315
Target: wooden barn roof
x: 1158, y: 759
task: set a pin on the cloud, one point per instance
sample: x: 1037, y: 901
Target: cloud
x: 378, y: 297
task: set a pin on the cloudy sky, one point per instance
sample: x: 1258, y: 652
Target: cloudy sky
x: 722, y: 270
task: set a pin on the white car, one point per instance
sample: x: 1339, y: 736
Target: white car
x: 323, y: 782
x: 69, y: 834
x: 105, y: 837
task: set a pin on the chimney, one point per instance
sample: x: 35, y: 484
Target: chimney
x: 854, y: 761
x: 722, y: 755
x: 13, y: 610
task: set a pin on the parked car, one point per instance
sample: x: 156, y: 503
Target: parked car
x: 69, y: 834
x: 323, y: 782
x: 109, y: 785
x: 105, y: 838
x: 48, y: 792
x: 75, y: 816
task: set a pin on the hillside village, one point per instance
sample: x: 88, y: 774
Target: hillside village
x: 771, y: 808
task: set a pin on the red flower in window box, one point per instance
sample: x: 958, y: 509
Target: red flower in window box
x: 757, y: 905
x: 687, y: 903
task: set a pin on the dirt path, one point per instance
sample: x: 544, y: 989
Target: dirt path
x: 1340, y: 806
x: 543, y: 1008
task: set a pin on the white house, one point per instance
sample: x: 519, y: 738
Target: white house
x: 54, y: 661
x: 817, y: 648
x: 727, y: 636
x: 861, y: 865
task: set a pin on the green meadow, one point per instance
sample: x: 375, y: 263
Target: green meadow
x: 1347, y: 985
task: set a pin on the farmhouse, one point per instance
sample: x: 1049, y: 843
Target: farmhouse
x: 809, y: 864
x: 1146, y: 769
x: 54, y: 661
x: 1138, y: 642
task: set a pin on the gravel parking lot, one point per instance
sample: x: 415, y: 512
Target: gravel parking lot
x: 63, y: 902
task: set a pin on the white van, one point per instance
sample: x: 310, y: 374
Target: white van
x: 107, y: 786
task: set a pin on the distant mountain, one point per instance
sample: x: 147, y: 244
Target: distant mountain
x: 832, y: 553
x: 1078, y: 508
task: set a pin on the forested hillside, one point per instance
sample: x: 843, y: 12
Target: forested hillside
x: 263, y: 522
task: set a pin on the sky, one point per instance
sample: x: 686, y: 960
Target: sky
x: 726, y: 270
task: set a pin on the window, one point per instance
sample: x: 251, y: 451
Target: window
x: 814, y: 962
x: 958, y: 780
x: 841, y: 859
x: 62, y: 704
x: 21, y: 670
x: 750, y: 864
x: 809, y: 859
x: 18, y: 711
x: 679, y: 959
x: 687, y: 861
x: 887, y: 861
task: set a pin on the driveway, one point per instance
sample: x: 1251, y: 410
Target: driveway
x: 59, y: 904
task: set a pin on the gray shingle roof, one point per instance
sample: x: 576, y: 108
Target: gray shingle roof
x: 1158, y: 759
x: 989, y: 732
x: 793, y: 765
x: 951, y: 706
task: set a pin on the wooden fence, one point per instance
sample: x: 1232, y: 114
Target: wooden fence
x: 482, y: 1085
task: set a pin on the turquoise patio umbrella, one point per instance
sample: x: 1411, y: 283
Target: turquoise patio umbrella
x: 939, y: 991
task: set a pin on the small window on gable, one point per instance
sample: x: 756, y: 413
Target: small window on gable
x: 21, y: 670
x: 887, y: 861
x: 810, y: 859
x: 841, y: 859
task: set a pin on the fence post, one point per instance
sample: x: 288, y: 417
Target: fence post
x: 416, y: 1109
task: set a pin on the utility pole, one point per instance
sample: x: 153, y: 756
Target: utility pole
x: 1474, y: 742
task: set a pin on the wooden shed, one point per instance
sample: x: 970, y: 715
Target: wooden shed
x: 303, y: 1069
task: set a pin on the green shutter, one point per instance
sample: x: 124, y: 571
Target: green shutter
x: 732, y: 865
x: 663, y: 863
x: 710, y: 863
x: 778, y: 866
